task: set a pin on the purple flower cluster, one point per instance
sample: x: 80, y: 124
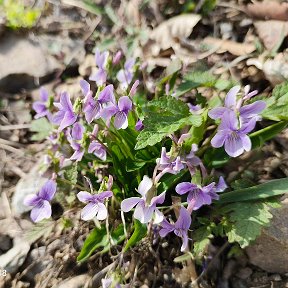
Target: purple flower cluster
x: 236, y: 121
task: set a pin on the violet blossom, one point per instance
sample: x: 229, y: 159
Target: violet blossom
x: 139, y: 125
x: 95, y: 207
x: 119, y: 111
x: 145, y: 205
x: 98, y: 150
x: 65, y: 116
x: 198, y: 195
x: 166, y: 164
x: 180, y: 227
x: 233, y: 135
x: 125, y: 75
x: 41, y: 201
x: 41, y: 107
x: 77, y: 131
x: 101, y: 60
x: 246, y: 112
x: 117, y: 57
x: 93, y: 108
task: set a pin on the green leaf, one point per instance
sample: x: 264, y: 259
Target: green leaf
x: 140, y: 231
x: 42, y: 128
x: 71, y: 173
x: 95, y: 239
x: 184, y: 257
x: 259, y: 137
x: 247, y: 221
x: 277, y: 104
x: 164, y: 117
x: 194, y: 80
x: 262, y: 191
x: 201, y: 238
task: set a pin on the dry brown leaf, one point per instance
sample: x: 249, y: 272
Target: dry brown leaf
x: 235, y: 48
x: 268, y: 10
x: 275, y: 70
x: 169, y: 32
x: 272, y: 32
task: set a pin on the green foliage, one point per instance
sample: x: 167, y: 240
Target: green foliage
x: 163, y: 117
x: 247, y: 221
x: 42, y: 127
x: 262, y: 191
x: 98, y: 238
x: 277, y: 104
x: 259, y: 137
x: 201, y: 238
x: 19, y: 16
x: 71, y: 174
x: 140, y: 231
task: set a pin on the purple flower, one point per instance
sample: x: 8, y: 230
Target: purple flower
x: 168, y: 165
x: 95, y: 206
x: 40, y: 201
x: 246, y: 112
x: 139, y: 125
x: 41, y: 107
x: 117, y: 57
x: 125, y: 75
x: 78, y: 151
x: 101, y: 60
x: 180, y: 227
x: 120, y: 112
x: 194, y: 109
x: 199, y: 196
x: 145, y: 205
x: 233, y: 137
x: 65, y: 116
x: 93, y: 108
x: 98, y: 150
x: 77, y: 131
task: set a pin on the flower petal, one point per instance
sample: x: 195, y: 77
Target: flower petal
x: 107, y: 95
x: 89, y: 211
x: 129, y: 203
x: 145, y: 185
x: 184, y: 220
x: 219, y: 138
x: 221, y: 186
x: 158, y: 199
x: 184, y: 187
x: 253, y: 109
x: 85, y: 87
x: 69, y: 119
x: 31, y: 200
x: 41, y: 211
x: 77, y: 131
x: 230, y: 100
x: 125, y: 104
x: 233, y: 145
x: 84, y: 196
x: 158, y: 217
x: 185, y: 242
x: 103, y: 195
x: 66, y: 102
x: 48, y: 190
x: 44, y: 94
x: 217, y: 112
x: 246, y: 142
x: 121, y: 120
x: 102, y: 212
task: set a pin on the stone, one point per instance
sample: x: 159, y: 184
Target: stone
x: 75, y: 282
x: 5, y: 243
x: 270, y: 250
x: 25, y: 186
x: 22, y: 62
x: 15, y: 257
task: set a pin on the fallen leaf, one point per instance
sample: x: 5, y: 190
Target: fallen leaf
x: 275, y: 70
x: 235, y: 48
x: 268, y: 10
x: 272, y: 32
x: 170, y: 32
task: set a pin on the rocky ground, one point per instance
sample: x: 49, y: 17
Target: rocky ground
x: 56, y: 53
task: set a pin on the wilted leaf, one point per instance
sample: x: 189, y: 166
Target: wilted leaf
x: 171, y: 31
x: 235, y: 48
x: 272, y: 32
x: 268, y: 10
x: 275, y: 70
